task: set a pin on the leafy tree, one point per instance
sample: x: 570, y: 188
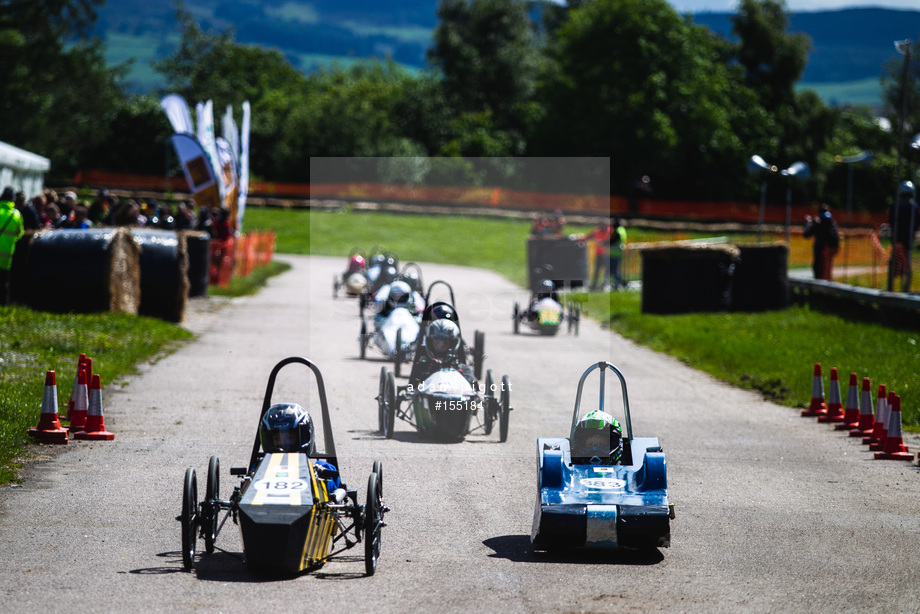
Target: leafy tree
x: 773, y: 59
x: 60, y: 96
x: 485, y: 52
x: 633, y: 80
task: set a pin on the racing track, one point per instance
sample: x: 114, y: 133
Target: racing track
x: 775, y: 513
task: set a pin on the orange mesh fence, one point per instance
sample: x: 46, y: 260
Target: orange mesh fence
x: 240, y: 256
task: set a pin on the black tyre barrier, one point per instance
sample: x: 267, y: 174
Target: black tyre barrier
x: 164, y: 273
x: 762, y: 278
x: 83, y: 271
x: 688, y: 278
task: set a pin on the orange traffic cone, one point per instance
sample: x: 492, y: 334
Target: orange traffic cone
x: 834, y: 406
x: 881, y: 415
x: 49, y: 428
x: 81, y: 364
x: 851, y: 409
x: 866, y: 412
x: 80, y: 402
x: 881, y: 436
x: 95, y: 425
x: 894, y: 445
x: 817, y: 406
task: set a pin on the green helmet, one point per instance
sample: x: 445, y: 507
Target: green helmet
x: 597, y: 436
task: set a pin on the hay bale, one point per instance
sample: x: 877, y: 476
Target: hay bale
x: 762, y: 277
x: 164, y: 273
x: 685, y: 277
x: 83, y: 271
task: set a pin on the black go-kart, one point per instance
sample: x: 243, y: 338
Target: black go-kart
x: 544, y: 314
x: 288, y: 519
x: 354, y: 279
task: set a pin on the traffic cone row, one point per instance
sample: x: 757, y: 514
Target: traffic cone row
x: 84, y: 408
x: 881, y: 431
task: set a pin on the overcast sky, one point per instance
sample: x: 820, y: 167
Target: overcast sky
x: 729, y: 6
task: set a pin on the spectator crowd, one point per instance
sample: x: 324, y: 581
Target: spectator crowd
x: 50, y: 210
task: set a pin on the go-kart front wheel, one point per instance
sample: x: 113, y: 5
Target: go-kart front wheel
x: 211, y: 495
x: 362, y: 338
x: 390, y: 416
x: 373, y: 518
x: 397, y: 361
x: 479, y: 352
x: 189, y: 518
x: 382, y: 400
x: 488, y: 404
x: 517, y: 318
x: 504, y: 409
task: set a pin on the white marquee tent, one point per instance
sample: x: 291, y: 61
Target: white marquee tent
x: 22, y: 170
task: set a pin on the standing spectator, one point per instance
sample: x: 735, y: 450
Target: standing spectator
x: 53, y: 216
x: 617, y: 245
x: 904, y: 221
x: 600, y: 237
x: 827, y: 241
x: 10, y: 231
x: 80, y: 219
x: 30, y: 217
x: 66, y: 205
x: 100, y: 207
x: 557, y: 223
x: 185, y: 219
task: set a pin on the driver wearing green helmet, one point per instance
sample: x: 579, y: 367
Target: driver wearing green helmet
x: 597, y: 440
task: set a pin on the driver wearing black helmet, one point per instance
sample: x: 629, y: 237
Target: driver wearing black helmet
x: 287, y: 427
x: 441, y: 348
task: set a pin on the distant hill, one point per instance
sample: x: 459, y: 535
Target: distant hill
x: 850, y: 47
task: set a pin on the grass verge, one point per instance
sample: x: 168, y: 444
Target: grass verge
x: 35, y: 342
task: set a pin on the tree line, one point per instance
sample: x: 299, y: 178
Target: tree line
x: 628, y: 80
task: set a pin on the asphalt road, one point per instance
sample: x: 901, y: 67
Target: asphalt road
x: 775, y: 513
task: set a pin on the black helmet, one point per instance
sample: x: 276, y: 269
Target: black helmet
x: 411, y: 278
x: 286, y: 427
x: 442, y: 338
x: 545, y: 289
x: 597, y: 436
x: 443, y: 311
x: 906, y: 188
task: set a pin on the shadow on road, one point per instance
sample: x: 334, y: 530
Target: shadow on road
x: 225, y: 566
x: 517, y: 548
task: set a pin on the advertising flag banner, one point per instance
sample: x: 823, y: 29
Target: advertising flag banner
x: 228, y: 176
x: 244, y: 165
x: 178, y: 113
x: 197, y: 169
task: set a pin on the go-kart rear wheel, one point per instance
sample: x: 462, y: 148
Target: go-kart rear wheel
x: 362, y: 339
x: 211, y: 494
x: 335, y: 287
x: 488, y: 404
x: 479, y: 348
x: 504, y: 409
x: 577, y: 317
x: 381, y: 399
x: 517, y: 318
x: 373, y: 516
x: 189, y: 518
x: 570, y: 316
x: 397, y: 362
x: 390, y: 417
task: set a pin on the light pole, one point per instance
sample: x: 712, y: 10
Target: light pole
x: 757, y: 168
x: 800, y: 171
x: 903, y: 47
x: 863, y: 156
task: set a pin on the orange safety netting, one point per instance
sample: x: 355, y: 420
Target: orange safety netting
x: 240, y: 256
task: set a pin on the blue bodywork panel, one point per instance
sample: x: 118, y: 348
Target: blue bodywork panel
x: 624, y: 505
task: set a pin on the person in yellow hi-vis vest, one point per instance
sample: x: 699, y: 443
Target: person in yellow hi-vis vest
x: 617, y: 245
x: 11, y: 229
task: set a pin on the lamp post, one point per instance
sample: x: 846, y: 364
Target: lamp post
x: 903, y: 47
x: 800, y: 171
x: 757, y: 168
x: 863, y: 156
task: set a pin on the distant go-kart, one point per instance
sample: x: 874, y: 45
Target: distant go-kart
x: 443, y: 405
x: 354, y: 279
x: 289, y: 521
x: 545, y: 314
x: 394, y: 328
x: 605, y: 503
